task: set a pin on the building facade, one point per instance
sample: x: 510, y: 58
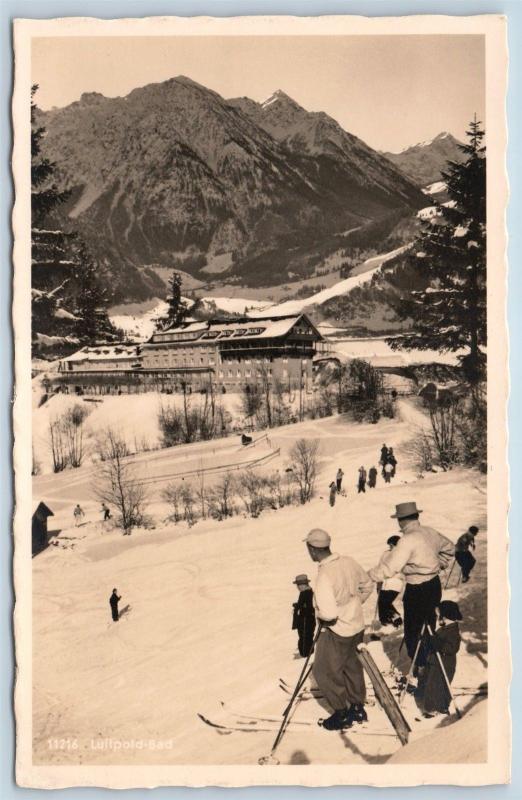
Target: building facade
x: 226, y: 354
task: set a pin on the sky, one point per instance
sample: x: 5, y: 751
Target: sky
x: 391, y: 91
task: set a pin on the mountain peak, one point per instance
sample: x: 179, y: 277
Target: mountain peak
x: 281, y: 97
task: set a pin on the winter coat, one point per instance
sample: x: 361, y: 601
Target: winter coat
x: 445, y: 642
x: 304, y: 612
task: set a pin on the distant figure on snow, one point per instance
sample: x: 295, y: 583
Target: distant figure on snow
x: 361, y: 485
x: 393, y: 461
x: 384, y: 457
x: 339, y: 480
x: 463, y: 557
x: 78, y: 514
x: 304, y: 616
x: 389, y: 590
x: 388, y: 472
x: 372, y: 477
x: 446, y: 642
x: 114, y: 600
x: 333, y: 492
x: 106, y: 512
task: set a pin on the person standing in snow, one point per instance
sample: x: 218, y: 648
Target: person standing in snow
x: 372, y: 477
x: 341, y: 588
x: 384, y: 457
x: 304, y: 616
x: 421, y: 554
x: 78, y: 513
x: 361, y: 484
x: 113, y: 601
x: 393, y: 461
x: 463, y: 557
x: 333, y: 493
x: 106, y: 512
x: 446, y: 642
x: 389, y: 590
x: 339, y: 480
x: 387, y: 472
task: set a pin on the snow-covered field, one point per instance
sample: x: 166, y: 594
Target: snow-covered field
x: 209, y: 614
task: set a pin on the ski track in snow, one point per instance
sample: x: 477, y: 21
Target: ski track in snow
x: 210, y: 615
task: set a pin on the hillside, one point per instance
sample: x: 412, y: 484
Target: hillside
x: 424, y: 161
x: 174, y: 175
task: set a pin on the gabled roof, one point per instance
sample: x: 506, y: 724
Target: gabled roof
x: 39, y: 505
x: 240, y: 327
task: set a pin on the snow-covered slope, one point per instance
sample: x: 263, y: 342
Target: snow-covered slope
x: 210, y: 614
x: 365, y: 274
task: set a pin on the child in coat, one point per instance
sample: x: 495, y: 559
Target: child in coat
x: 446, y: 643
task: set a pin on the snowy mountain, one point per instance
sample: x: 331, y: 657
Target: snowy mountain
x: 424, y: 161
x: 174, y: 175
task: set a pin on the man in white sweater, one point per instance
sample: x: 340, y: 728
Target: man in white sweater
x: 341, y: 588
x: 420, y: 554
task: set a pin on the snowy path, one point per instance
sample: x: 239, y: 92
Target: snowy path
x: 210, y: 616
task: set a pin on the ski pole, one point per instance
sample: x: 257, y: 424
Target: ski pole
x: 270, y: 759
x: 451, y: 570
x: 412, y: 666
x: 445, y: 674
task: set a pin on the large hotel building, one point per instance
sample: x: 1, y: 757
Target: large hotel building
x: 225, y: 353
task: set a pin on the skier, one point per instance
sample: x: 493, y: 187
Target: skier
x: 463, y: 557
x: 114, y: 600
x: 372, y: 477
x: 387, y: 472
x: 393, y: 461
x: 339, y: 480
x: 333, y: 492
x: 361, y: 485
x: 445, y: 641
x: 389, y: 590
x: 341, y: 588
x: 420, y: 555
x: 304, y: 616
x: 106, y: 512
x: 78, y: 514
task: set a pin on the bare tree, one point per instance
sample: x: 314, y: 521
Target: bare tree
x: 443, y: 418
x: 222, y: 497
x: 420, y: 450
x: 57, y: 444
x: 117, y: 484
x: 249, y: 489
x: 304, y: 463
x: 172, y: 495
x: 73, y: 429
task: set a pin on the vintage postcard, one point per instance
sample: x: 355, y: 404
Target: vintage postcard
x: 260, y: 417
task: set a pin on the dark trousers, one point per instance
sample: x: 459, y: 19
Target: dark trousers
x: 339, y: 484
x: 305, y: 639
x: 115, y: 613
x: 466, y: 562
x: 419, y: 602
x: 361, y: 486
x: 337, y: 669
x: 386, y: 609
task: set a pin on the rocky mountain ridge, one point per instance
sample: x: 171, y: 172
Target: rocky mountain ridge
x: 175, y: 175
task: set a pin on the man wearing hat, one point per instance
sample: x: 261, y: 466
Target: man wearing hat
x: 420, y: 554
x: 304, y: 616
x: 341, y: 588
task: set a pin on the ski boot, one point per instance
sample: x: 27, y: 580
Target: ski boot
x: 337, y: 721
x: 357, y: 714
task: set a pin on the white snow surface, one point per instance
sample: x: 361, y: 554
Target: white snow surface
x: 210, y: 609
x: 372, y: 265
x: 435, y: 188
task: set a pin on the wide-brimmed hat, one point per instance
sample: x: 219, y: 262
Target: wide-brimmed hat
x: 405, y: 510
x: 301, y: 579
x: 318, y: 538
x: 450, y: 610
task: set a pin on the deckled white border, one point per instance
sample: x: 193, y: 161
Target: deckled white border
x: 496, y: 770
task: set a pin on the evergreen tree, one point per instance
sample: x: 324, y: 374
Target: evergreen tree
x: 177, y: 308
x: 450, y: 313
x: 92, y: 298
x: 52, y: 262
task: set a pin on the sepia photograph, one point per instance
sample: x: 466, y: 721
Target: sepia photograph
x: 260, y: 427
